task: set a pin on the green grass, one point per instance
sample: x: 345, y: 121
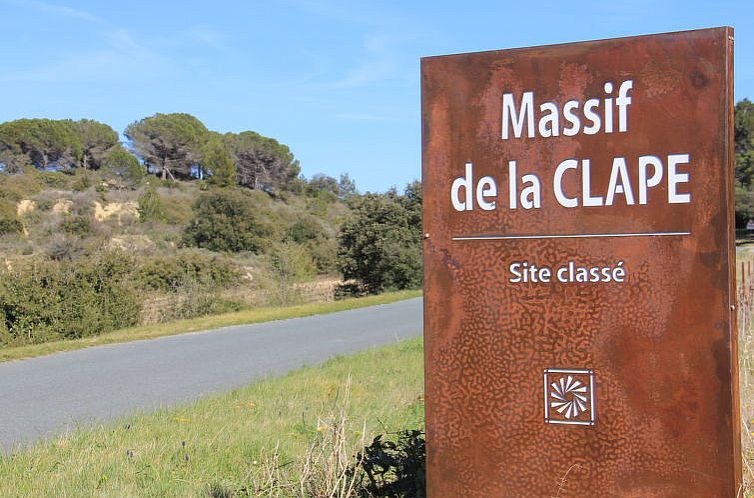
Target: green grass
x: 255, y: 315
x: 228, y: 442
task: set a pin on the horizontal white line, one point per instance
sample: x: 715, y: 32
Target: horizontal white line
x: 567, y: 370
x: 564, y: 422
x: 571, y: 236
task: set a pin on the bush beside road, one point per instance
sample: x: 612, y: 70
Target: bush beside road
x: 248, y: 316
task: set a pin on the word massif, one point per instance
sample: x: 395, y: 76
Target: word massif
x: 631, y: 178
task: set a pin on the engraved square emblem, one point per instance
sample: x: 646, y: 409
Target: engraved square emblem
x: 569, y: 396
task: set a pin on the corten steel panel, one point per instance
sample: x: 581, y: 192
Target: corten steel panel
x: 655, y: 354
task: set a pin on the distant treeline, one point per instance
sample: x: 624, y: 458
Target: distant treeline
x: 744, y: 144
x: 172, y: 146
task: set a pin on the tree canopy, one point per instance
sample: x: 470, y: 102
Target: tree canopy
x: 122, y: 168
x: 97, y: 140
x: 218, y: 163
x: 173, y: 146
x: 744, y: 141
x: 64, y: 144
x: 744, y: 145
x: 170, y: 144
x: 261, y: 161
x: 39, y: 142
x: 381, y: 244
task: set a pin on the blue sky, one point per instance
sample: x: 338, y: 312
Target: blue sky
x: 337, y: 81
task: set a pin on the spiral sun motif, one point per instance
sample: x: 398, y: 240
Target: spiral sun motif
x: 569, y: 397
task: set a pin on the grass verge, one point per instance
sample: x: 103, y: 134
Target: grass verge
x: 254, y: 315
x: 254, y: 441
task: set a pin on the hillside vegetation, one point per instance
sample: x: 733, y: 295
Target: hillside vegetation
x: 179, y: 222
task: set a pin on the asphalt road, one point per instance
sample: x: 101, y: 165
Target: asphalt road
x: 45, y: 396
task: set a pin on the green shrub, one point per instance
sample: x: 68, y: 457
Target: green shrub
x: 48, y: 300
x: 55, y: 179
x: 82, y: 203
x: 323, y: 249
x: 122, y: 169
x: 150, y: 206
x: 207, y: 303
x: 324, y: 253
x: 177, y: 206
x: 227, y: 220
x: 65, y: 249
x: 392, y: 468
x: 292, y: 263
x: 167, y: 183
x: 77, y: 225
x: 381, y: 244
x: 305, y: 229
x: 45, y: 202
x: 173, y: 272
x: 83, y: 179
x: 21, y: 185
x: 9, y: 222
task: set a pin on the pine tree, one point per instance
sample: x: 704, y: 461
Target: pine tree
x: 219, y: 164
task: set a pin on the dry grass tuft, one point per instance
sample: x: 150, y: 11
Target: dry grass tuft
x: 745, y: 296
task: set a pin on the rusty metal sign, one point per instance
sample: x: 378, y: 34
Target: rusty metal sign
x: 579, y: 288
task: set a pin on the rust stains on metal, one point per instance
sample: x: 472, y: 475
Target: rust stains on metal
x: 579, y: 278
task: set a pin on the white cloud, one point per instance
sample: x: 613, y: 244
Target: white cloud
x: 379, y: 63
x: 118, y: 53
x: 122, y: 57
x: 61, y: 10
